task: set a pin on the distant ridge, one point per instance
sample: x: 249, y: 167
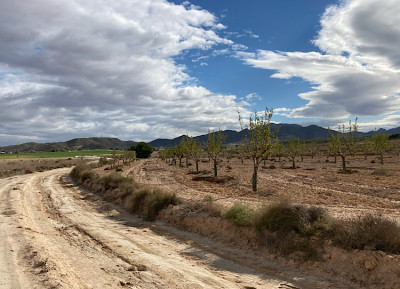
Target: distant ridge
x: 286, y: 132
x: 75, y: 144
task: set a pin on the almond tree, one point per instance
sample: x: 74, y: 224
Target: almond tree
x: 261, y: 140
x: 344, y: 143
x: 193, y: 150
x: 367, y: 146
x: 179, y: 151
x: 242, y: 152
x: 279, y: 149
x: 214, y: 147
x: 313, y: 149
x: 380, y: 143
x: 295, y: 148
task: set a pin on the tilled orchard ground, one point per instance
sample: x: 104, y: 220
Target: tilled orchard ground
x: 371, y: 188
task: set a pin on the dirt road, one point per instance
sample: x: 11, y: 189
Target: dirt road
x: 53, y: 235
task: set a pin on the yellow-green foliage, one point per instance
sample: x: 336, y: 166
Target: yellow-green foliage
x: 239, y: 214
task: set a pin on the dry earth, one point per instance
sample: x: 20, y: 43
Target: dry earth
x: 55, y: 235
x: 372, y: 188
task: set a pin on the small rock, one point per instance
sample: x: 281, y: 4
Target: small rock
x: 122, y: 283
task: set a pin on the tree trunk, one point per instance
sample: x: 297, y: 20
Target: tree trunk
x: 343, y: 163
x: 381, y: 159
x: 254, y: 179
x: 197, y: 165
x: 215, y: 168
x: 293, y: 163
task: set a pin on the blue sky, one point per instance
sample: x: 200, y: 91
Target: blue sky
x: 273, y: 25
x: 141, y: 69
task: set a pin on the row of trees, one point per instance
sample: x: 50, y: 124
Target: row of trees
x: 263, y: 143
x: 346, y: 143
x: 189, y: 148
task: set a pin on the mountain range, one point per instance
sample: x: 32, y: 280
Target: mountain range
x: 285, y: 132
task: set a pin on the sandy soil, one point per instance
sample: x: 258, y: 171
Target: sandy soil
x: 54, y: 235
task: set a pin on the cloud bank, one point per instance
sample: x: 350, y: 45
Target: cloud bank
x: 84, y: 68
x: 356, y: 72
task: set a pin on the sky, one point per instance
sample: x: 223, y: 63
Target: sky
x: 147, y: 69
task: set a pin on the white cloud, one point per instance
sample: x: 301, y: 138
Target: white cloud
x: 387, y: 122
x: 283, y: 111
x: 252, y: 95
x: 251, y: 33
x: 357, y: 71
x: 83, y: 68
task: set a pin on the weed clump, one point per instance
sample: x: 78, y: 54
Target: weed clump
x: 157, y: 201
x: 208, y: 199
x: 118, y: 188
x: 381, y: 172
x: 282, y: 217
x: 368, y: 232
x: 113, y: 181
x: 239, y: 214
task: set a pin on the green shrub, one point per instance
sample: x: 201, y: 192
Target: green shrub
x: 158, y: 201
x: 78, y: 170
x: 208, y: 199
x: 125, y: 188
x: 283, y: 217
x: 139, y: 200
x: 239, y: 214
x: 143, y: 150
x: 88, y: 176
x: 113, y: 181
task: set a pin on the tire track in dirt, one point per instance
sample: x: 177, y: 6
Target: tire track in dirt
x: 10, y: 275
x: 173, y: 269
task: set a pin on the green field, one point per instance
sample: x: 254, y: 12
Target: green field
x: 59, y: 154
